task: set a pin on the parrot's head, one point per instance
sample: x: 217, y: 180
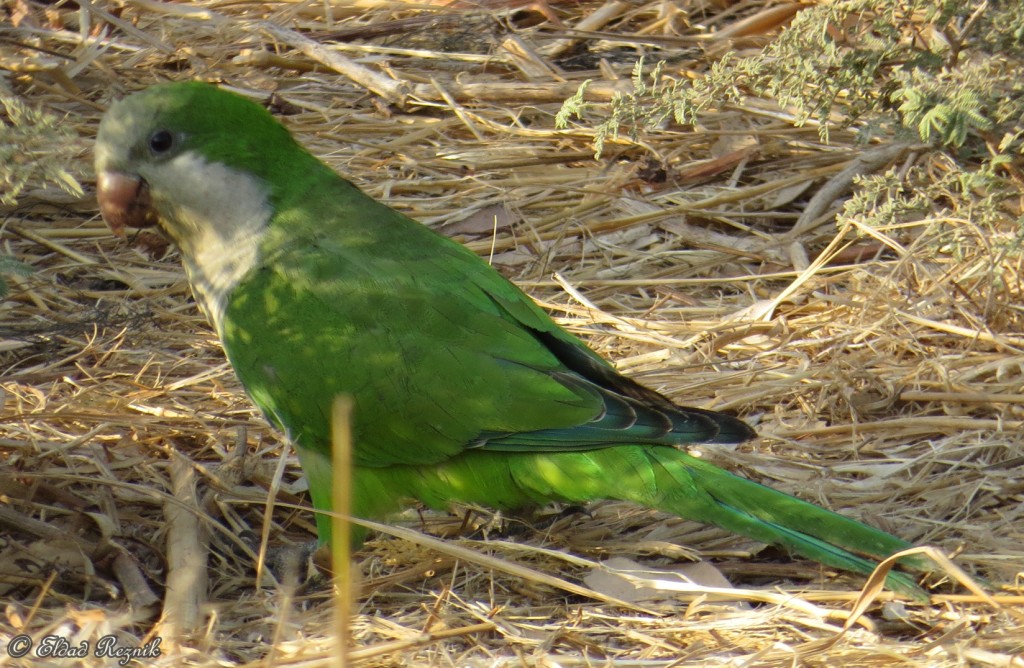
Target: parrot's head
x: 181, y: 154
x: 207, y: 165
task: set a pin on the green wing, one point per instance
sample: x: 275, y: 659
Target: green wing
x: 437, y: 350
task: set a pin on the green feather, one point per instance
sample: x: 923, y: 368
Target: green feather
x: 463, y: 388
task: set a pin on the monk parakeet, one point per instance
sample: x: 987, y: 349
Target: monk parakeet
x: 463, y: 389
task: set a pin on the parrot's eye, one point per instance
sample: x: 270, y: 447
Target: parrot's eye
x: 161, y: 141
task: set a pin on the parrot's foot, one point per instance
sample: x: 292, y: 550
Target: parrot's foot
x: 480, y: 524
x: 572, y: 511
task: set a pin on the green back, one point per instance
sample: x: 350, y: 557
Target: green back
x: 439, y: 352
x: 354, y: 298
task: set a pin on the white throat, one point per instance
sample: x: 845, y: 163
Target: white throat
x: 217, y: 216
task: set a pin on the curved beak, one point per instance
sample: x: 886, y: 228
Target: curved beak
x: 124, y: 201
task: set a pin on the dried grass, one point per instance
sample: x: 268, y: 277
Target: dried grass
x: 886, y: 378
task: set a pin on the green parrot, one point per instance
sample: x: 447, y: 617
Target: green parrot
x: 463, y: 389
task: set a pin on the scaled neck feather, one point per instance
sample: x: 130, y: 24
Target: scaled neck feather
x: 217, y: 215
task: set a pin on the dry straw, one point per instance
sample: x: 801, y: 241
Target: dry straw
x: 885, y: 374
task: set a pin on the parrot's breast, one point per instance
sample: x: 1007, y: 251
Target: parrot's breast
x: 217, y: 216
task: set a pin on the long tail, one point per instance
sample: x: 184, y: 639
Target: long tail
x: 693, y: 488
x: 659, y: 477
x: 672, y: 481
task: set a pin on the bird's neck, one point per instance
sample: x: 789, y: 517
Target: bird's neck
x: 217, y: 216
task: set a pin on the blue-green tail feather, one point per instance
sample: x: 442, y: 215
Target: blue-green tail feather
x: 663, y: 478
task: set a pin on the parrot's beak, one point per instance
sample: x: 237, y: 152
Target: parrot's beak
x: 124, y: 201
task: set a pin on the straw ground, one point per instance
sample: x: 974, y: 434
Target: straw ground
x: 882, y: 365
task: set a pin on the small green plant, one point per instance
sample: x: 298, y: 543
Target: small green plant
x: 8, y: 265
x: 943, y: 74
x: 34, y: 147
x: 634, y: 110
x: 946, y: 74
x: 940, y: 70
x: 654, y: 99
